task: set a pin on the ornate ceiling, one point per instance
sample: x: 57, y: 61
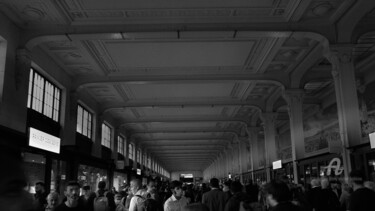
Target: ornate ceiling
x: 184, y: 78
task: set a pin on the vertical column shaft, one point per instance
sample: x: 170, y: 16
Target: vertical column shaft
x: 270, y: 144
x: 294, y: 98
x: 347, y: 100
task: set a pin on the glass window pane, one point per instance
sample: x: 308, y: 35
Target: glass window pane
x: 79, y: 119
x: 43, y: 96
x: 29, y: 96
x: 85, y: 117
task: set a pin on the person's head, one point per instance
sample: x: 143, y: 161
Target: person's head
x: 214, y: 183
x: 135, y: 185
x: 13, y: 197
x: 356, y: 178
x: 102, y: 185
x: 195, y: 207
x: 277, y: 192
x: 118, y: 198
x: 335, y: 184
x: 53, y: 199
x: 226, y: 186
x: 284, y: 179
x: 324, y: 182
x: 151, y: 186
x: 345, y: 187
x: 72, y: 192
x: 39, y: 187
x: 86, y: 190
x: 235, y: 187
x: 176, y: 188
x: 315, y: 183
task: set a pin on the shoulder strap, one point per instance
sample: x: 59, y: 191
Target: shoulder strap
x: 140, y: 196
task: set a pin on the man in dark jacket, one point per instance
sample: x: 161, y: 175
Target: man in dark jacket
x: 362, y: 199
x: 215, y: 198
x: 238, y: 196
x: 314, y: 196
x: 279, y: 197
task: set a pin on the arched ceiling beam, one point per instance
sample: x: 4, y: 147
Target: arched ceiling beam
x: 259, y: 104
x: 347, y: 24
x: 232, y: 132
x: 187, y: 147
x: 176, y: 120
x: 174, y: 140
x: 185, y: 143
x: 278, y: 79
x: 33, y: 37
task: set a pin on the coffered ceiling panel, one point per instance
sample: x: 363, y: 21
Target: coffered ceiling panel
x: 178, y: 54
x: 175, y: 91
x: 192, y: 112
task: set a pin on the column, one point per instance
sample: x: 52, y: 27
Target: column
x: 116, y: 132
x: 347, y: 100
x: 14, y: 81
x: 242, y: 156
x: 294, y: 98
x: 222, y: 168
x: 225, y: 159
x: 69, y: 119
x: 97, y: 146
x: 143, y: 151
x: 136, y: 145
x: 269, y: 120
x: 126, y: 143
x: 253, y: 140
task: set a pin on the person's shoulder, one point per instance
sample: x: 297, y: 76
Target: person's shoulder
x: 168, y: 200
x: 61, y: 207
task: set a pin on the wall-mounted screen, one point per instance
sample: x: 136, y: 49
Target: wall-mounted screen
x: 42, y: 140
x: 277, y: 164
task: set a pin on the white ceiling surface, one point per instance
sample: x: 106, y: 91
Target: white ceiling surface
x: 183, y: 95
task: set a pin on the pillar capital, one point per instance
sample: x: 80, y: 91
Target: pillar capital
x: 339, y: 55
x: 293, y: 94
x: 252, y: 130
x: 23, y: 65
x: 268, y: 118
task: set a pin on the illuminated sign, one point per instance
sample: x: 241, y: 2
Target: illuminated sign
x: 44, y: 141
x: 372, y: 140
x: 277, y: 164
x: 187, y: 175
x: 139, y: 171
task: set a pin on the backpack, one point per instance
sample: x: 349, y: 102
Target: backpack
x: 141, y: 206
x: 151, y: 205
x: 101, y: 202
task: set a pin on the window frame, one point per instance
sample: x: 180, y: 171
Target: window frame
x: 89, y: 124
x: 138, y: 156
x: 104, y: 141
x: 131, y: 151
x: 121, y: 145
x: 33, y: 95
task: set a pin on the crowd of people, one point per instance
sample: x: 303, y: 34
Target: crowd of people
x: 279, y: 195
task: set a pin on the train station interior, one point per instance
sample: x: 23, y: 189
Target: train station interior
x: 246, y: 90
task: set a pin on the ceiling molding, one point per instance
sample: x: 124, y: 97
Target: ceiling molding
x: 277, y: 79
